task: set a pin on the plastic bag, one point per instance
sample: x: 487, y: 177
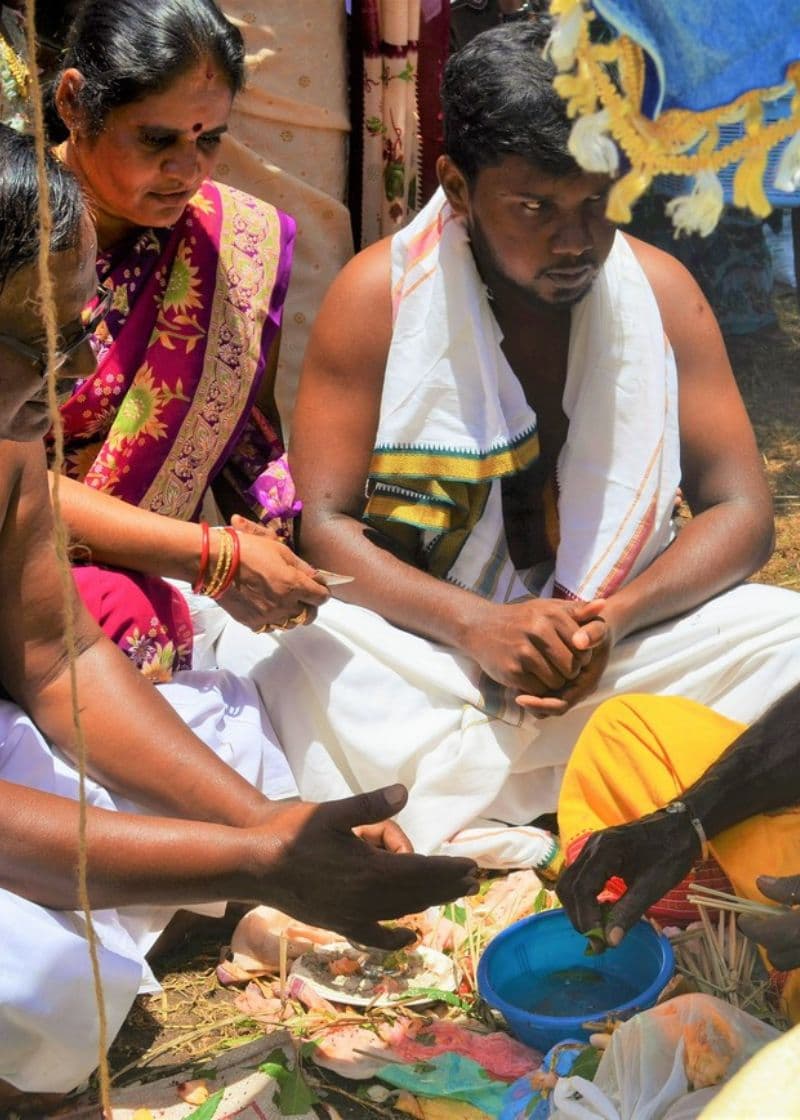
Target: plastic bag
x: 688, y: 1043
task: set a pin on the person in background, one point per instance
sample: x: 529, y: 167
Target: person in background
x: 469, y: 18
x: 180, y: 407
x: 510, y: 393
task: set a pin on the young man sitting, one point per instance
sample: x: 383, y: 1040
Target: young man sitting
x: 498, y: 408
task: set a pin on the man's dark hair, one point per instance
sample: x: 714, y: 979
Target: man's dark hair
x: 19, y: 204
x: 127, y: 49
x: 498, y: 100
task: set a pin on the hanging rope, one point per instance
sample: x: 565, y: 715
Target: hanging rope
x: 48, y: 312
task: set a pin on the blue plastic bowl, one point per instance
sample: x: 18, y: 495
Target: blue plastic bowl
x: 516, y: 977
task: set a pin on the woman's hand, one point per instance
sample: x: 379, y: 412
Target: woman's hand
x: 274, y: 587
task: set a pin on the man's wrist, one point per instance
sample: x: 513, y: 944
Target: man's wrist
x: 680, y: 807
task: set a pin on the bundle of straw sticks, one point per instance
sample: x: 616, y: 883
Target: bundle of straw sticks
x: 720, y: 960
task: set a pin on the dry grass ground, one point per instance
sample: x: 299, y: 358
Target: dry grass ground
x: 767, y: 367
x: 194, y: 1017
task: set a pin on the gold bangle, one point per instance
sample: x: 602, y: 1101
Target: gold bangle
x: 222, y: 567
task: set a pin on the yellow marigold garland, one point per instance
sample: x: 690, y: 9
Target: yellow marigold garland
x: 679, y: 141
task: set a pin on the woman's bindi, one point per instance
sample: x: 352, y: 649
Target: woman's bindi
x: 197, y: 127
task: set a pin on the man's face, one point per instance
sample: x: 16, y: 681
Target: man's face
x: 535, y: 236
x: 24, y: 413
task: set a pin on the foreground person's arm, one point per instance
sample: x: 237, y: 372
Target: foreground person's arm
x: 758, y: 773
x: 136, y: 743
x: 304, y: 859
x: 522, y: 645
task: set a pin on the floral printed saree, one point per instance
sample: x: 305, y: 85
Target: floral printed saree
x: 181, y: 357
x: 171, y: 405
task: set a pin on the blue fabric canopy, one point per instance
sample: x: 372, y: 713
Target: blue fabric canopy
x: 706, y: 53
x: 706, y: 92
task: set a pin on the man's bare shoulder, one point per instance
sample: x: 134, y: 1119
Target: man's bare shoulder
x: 684, y: 309
x: 354, y: 327
x: 24, y: 494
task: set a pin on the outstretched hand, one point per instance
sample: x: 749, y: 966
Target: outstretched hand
x: 651, y: 855
x: 344, y: 866
x: 780, y: 935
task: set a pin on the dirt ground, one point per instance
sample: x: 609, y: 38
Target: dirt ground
x: 194, y: 1017
x: 767, y: 367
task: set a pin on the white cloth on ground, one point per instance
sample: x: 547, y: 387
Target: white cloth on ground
x: 48, y: 1017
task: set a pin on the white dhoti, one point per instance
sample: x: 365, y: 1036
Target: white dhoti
x: 358, y: 703
x: 48, y: 1015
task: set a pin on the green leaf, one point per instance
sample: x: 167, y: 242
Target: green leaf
x: 456, y: 914
x: 542, y: 901
x: 438, y: 995
x: 595, y: 942
x: 586, y: 1064
x: 273, y: 1070
x: 209, y: 1109
x: 295, y: 1096
x: 276, y: 1057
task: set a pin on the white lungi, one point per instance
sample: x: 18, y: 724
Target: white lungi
x: 358, y: 703
x: 48, y: 1015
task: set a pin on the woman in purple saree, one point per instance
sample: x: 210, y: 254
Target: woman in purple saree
x: 181, y: 401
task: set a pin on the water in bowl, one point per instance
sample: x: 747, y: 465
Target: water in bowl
x: 572, y: 992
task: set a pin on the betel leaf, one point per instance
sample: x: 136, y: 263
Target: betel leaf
x: 295, y: 1096
x: 456, y: 914
x: 208, y: 1109
x: 437, y: 995
x: 586, y: 1063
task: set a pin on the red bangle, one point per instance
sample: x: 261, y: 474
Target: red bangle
x: 205, y: 552
x: 234, y: 568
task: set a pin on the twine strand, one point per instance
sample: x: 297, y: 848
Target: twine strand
x: 48, y: 313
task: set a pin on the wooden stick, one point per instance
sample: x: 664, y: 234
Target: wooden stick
x: 283, y: 952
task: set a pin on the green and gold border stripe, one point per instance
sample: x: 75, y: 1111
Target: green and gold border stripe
x: 457, y: 466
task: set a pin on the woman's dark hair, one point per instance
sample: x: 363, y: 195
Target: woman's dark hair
x: 127, y: 49
x: 498, y: 100
x: 19, y: 204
